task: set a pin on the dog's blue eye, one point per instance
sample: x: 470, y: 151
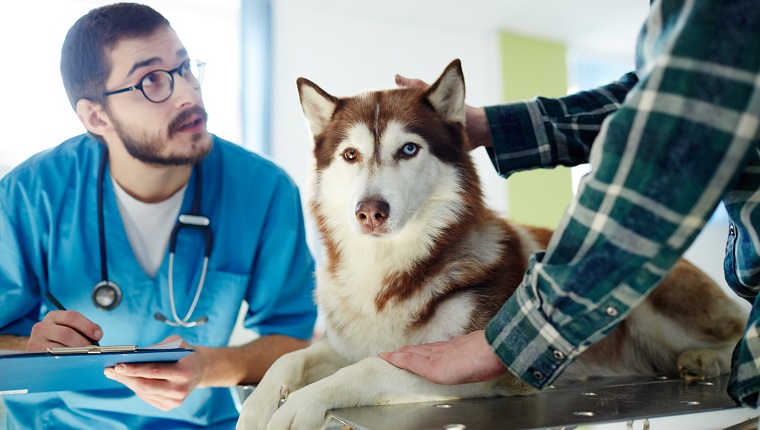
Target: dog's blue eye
x: 410, y: 149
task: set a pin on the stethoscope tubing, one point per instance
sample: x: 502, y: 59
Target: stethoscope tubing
x: 101, y: 223
x: 194, y: 219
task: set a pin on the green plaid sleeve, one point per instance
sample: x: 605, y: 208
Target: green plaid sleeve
x: 551, y: 132
x: 661, y: 164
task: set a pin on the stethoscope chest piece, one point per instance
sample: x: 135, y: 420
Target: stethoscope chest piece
x: 106, y: 295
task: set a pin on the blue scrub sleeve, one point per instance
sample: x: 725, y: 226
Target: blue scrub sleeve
x: 19, y: 288
x: 280, y: 298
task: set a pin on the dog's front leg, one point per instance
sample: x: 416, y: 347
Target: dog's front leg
x: 288, y: 374
x: 371, y: 381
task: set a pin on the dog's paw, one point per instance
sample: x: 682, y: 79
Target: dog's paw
x: 699, y: 364
x: 284, y: 377
x: 259, y: 407
x: 300, y: 411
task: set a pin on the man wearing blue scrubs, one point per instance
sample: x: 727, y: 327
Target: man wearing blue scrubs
x: 137, y: 92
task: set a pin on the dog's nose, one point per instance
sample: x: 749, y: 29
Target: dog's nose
x: 372, y: 213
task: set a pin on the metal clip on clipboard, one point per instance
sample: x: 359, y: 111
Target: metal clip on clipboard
x: 92, y: 349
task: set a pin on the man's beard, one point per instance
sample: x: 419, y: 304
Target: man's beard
x: 148, y: 148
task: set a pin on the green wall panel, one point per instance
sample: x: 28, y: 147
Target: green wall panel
x: 533, y: 67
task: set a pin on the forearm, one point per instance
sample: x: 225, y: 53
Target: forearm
x: 245, y: 364
x: 11, y: 342
x: 549, y: 132
x: 478, y: 133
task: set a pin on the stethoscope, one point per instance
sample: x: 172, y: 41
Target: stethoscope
x: 107, y: 295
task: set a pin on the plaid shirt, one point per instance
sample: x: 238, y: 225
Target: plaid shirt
x: 668, y: 147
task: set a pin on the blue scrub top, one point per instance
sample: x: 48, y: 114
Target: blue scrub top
x: 49, y: 242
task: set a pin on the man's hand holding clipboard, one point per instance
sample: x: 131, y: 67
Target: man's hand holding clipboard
x: 163, y: 385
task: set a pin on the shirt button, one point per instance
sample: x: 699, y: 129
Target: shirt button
x: 538, y: 375
x: 558, y: 355
x: 612, y: 311
x: 731, y: 229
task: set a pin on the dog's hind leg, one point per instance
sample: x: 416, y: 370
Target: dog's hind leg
x: 687, y: 326
x: 689, y: 317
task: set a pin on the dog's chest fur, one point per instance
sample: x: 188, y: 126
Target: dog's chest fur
x: 362, y: 320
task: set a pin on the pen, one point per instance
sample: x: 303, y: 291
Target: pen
x: 60, y: 307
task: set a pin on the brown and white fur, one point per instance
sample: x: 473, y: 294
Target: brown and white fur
x: 414, y: 256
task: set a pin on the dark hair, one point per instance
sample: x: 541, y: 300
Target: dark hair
x: 84, y: 57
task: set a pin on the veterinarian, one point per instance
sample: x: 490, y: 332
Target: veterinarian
x: 91, y: 221
x: 667, y: 145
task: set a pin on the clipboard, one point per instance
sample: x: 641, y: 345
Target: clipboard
x: 74, y: 369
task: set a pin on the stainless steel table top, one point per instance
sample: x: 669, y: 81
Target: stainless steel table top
x: 596, y: 401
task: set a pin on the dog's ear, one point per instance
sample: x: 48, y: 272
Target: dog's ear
x: 317, y: 105
x: 447, y: 93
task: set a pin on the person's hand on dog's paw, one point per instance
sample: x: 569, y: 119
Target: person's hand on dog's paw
x: 461, y: 360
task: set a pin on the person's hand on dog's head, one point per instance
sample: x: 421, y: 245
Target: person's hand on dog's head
x: 411, y: 83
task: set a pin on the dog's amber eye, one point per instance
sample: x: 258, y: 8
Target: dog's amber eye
x: 350, y: 154
x: 410, y: 149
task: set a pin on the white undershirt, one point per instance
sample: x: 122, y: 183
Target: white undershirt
x: 148, y: 226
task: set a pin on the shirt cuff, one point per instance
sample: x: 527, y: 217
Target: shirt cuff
x: 527, y: 343
x: 519, y: 139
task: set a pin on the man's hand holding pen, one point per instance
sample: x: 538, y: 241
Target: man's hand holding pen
x: 63, y: 328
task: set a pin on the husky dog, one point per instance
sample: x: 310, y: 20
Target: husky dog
x: 414, y: 256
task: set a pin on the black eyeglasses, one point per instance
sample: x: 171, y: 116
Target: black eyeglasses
x: 158, y: 85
